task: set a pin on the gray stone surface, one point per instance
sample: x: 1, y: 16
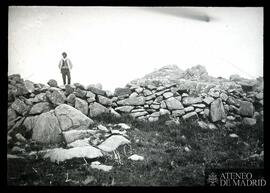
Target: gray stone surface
x: 132, y: 101
x: 191, y: 100
x: 96, y: 109
x: 40, y: 108
x: 81, y: 105
x: 190, y: 116
x: 71, y: 118
x: 124, y: 109
x: 20, y: 107
x: 174, y: 104
x: 217, y: 111
x: 47, y: 129
x: 246, y: 109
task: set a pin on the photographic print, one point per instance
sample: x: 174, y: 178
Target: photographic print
x: 135, y: 96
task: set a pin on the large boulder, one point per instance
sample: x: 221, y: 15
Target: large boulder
x: 174, y: 104
x: 191, y: 100
x: 246, y: 109
x: 217, y: 111
x: 20, y: 107
x: 56, y: 97
x: 96, y: 109
x: 47, y: 129
x: 122, y: 91
x: 71, y: 118
x: 132, y: 101
x: 40, y: 108
x: 81, y: 105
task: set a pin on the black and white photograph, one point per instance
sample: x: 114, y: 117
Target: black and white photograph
x: 135, y: 96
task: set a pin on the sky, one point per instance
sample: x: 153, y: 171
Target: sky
x: 114, y: 45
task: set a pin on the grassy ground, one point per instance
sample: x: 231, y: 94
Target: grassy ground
x: 166, y: 162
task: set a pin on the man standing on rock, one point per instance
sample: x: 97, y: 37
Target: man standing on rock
x: 65, y: 66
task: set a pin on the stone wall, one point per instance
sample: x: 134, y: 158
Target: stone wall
x: 212, y: 103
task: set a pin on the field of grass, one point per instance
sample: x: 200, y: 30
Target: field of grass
x: 174, y: 155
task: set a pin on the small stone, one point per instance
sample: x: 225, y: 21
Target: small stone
x: 208, y: 100
x: 199, y: 105
x: 185, y: 95
x: 134, y: 94
x: 52, y: 83
x: 190, y: 116
x: 212, y: 126
x: 124, y: 109
x: 231, y: 118
x: 167, y: 95
x: 223, y: 96
x: 189, y: 109
x: 178, y: 113
x: 248, y: 121
x: 113, y: 142
x: 147, y: 92
x: 20, y: 137
x: 102, y: 128
x: 202, y: 125
x: 136, y: 157
x: 164, y: 112
x: 124, y: 125
x: 153, y: 119
x: 233, y: 135
x: 17, y: 149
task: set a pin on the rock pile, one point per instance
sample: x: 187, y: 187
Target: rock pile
x: 49, y: 110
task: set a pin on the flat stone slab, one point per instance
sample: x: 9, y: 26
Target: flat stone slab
x: 136, y: 157
x: 113, y: 142
x: 99, y: 166
x: 59, y: 154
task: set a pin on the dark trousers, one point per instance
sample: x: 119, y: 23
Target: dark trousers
x: 65, y: 73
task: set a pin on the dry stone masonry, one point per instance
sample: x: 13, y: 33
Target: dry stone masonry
x: 52, y: 114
